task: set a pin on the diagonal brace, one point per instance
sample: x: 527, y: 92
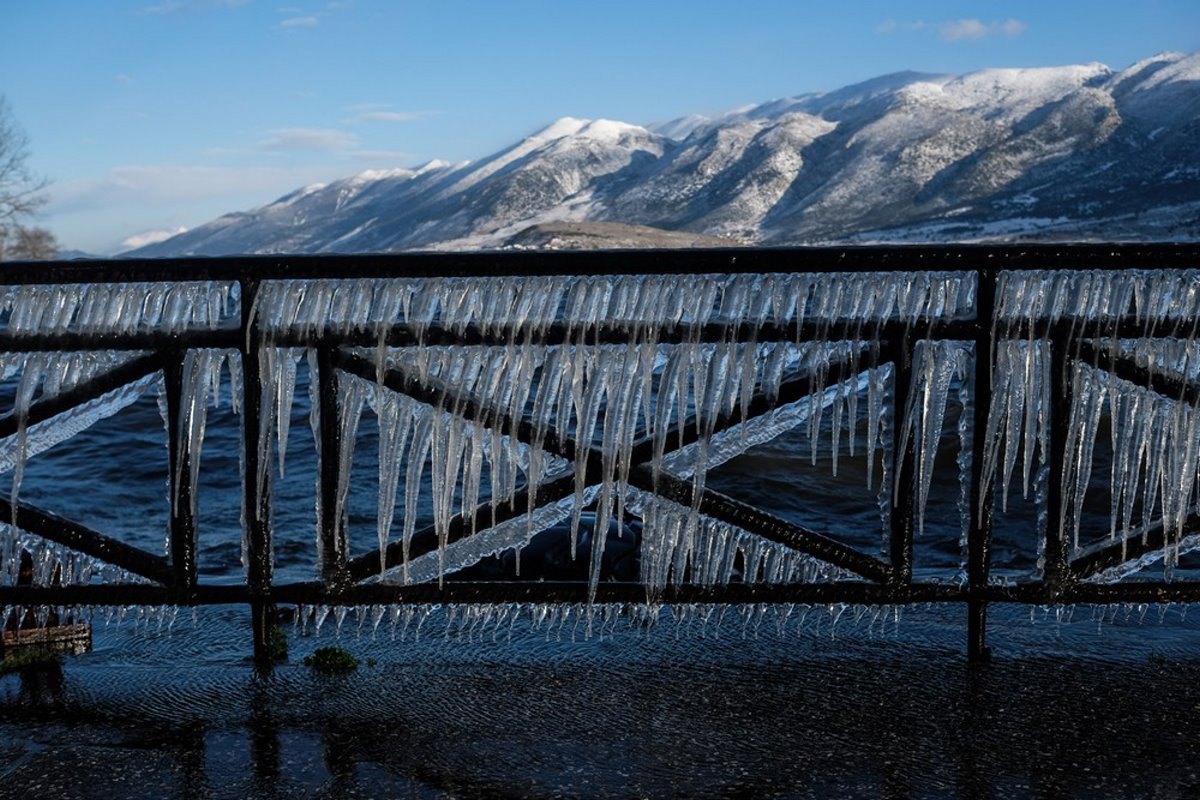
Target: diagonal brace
x: 1096, y: 559
x: 438, y: 394
x: 760, y: 523
x: 87, y: 541
x: 1126, y: 368
x: 86, y: 392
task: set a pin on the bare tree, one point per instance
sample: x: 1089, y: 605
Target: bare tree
x: 28, y: 244
x: 20, y: 195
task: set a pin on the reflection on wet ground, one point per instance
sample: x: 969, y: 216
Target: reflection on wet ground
x: 1073, y: 709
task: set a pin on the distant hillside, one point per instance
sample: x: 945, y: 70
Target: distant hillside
x: 1073, y: 153
x: 606, y: 235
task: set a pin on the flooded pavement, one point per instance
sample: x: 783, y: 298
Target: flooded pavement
x: 1079, y: 708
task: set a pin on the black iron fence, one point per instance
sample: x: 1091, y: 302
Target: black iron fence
x: 878, y: 580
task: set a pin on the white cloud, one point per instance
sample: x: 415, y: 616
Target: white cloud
x: 961, y: 29
x: 293, y: 23
x: 364, y: 113
x: 150, y: 237
x: 1013, y: 27
x: 122, y: 78
x: 393, y: 116
x: 957, y: 30
x: 307, y: 139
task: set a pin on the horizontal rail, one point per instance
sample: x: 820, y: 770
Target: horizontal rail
x: 561, y: 333
x: 220, y: 338
x: 401, y: 334
x: 905, y: 258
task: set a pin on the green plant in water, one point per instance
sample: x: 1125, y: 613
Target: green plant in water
x: 30, y: 658
x: 277, y: 644
x: 332, y: 660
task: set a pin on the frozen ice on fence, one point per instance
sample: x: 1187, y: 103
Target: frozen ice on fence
x: 1155, y: 439
x: 680, y: 546
x: 636, y: 303
x: 202, y: 371
x: 546, y: 389
x: 117, y: 308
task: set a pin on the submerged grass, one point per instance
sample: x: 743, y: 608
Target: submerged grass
x: 332, y: 660
x: 25, y: 659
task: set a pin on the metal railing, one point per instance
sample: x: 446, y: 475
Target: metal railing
x: 173, y: 580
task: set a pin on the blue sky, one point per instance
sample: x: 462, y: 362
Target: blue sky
x: 151, y: 115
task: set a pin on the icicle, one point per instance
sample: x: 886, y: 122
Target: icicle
x: 201, y: 380
x: 284, y: 366
x: 395, y: 422
x: 936, y: 365
x: 964, y: 461
x: 352, y: 393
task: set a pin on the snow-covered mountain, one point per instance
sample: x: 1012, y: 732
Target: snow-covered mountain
x: 1077, y: 152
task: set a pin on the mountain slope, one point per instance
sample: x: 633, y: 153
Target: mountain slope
x: 1060, y: 152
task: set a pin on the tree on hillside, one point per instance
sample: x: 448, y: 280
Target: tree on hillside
x: 20, y: 195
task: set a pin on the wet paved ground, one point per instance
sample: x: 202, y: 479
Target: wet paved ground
x: 1076, y: 710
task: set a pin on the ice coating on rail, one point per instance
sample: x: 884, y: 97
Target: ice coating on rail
x: 513, y: 534
x: 680, y: 546
x: 612, y: 373
x: 459, y: 455
x: 619, y: 399
x: 1155, y: 478
x: 46, y: 563
x: 1185, y: 545
x: 565, y: 393
x: 486, y: 306
x: 117, y: 308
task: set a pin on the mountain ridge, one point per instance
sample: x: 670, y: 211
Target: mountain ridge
x: 1074, y: 152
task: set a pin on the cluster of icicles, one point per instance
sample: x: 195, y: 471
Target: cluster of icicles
x: 107, y: 309
x: 667, y: 377
x: 1154, y: 480
x: 560, y: 622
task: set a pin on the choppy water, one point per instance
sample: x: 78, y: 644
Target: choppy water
x: 1070, y: 709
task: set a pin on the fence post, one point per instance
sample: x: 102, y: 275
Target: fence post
x: 979, y: 535
x: 333, y: 524
x: 1055, y: 571
x: 256, y: 493
x: 901, y: 532
x: 182, y: 525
